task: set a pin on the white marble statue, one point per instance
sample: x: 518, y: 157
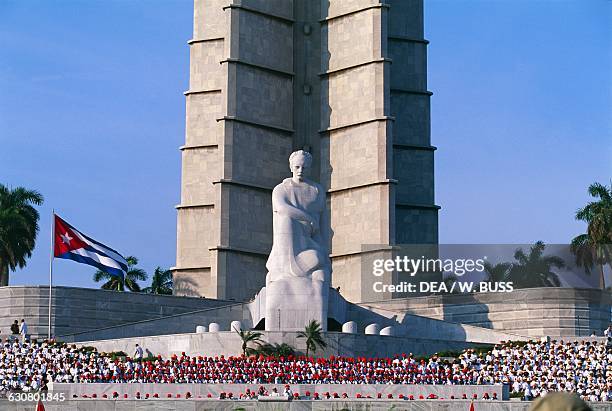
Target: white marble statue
x: 299, y: 269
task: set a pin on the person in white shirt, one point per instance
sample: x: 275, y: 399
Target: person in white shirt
x: 23, y: 330
x: 608, y: 331
x: 138, y: 354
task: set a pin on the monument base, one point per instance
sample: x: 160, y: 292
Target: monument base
x: 292, y: 303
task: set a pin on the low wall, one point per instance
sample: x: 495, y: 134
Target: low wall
x: 408, y: 325
x: 534, y: 312
x: 82, y: 309
x: 81, y: 314
x: 321, y: 405
x: 236, y: 389
x: 175, y: 324
x: 428, y: 328
x: 229, y: 343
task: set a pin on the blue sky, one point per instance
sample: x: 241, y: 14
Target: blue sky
x: 92, y: 115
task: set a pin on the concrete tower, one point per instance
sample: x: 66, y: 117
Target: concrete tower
x: 345, y: 79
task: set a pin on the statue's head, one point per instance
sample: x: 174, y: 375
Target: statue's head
x: 300, y: 162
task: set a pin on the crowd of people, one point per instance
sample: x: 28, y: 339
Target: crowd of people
x: 536, y: 368
x: 533, y: 368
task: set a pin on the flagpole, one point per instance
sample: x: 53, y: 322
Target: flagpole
x: 51, y: 269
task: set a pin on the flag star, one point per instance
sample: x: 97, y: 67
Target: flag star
x: 66, y: 238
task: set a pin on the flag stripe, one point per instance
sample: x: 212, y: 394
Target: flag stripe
x: 89, y: 261
x: 104, y: 251
x: 106, y: 261
x: 109, y: 252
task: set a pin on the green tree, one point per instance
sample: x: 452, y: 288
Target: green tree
x: 498, y: 272
x: 276, y: 350
x: 448, y: 282
x: 535, y: 269
x: 249, y: 337
x: 161, y: 282
x: 313, y: 335
x: 18, y: 228
x: 129, y: 280
x: 594, y: 248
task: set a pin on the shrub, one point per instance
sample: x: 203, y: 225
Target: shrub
x: 117, y: 355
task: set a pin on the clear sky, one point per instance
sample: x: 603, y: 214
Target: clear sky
x: 92, y: 115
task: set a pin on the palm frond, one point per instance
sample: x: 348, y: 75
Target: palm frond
x: 18, y: 227
x: 136, y: 274
x: 535, y: 269
x: 594, y: 247
x: 110, y: 284
x: 101, y: 275
x: 129, y: 280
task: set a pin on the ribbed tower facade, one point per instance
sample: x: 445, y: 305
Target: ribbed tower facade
x: 344, y: 79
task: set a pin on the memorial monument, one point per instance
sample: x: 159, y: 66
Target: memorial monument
x: 344, y: 80
x: 299, y: 269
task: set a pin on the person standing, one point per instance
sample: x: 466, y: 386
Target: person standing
x: 23, y: 330
x: 14, y: 330
x: 138, y: 354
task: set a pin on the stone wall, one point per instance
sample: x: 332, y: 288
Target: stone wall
x: 215, y: 389
x: 532, y: 312
x: 418, y: 330
x: 176, y: 324
x: 323, y: 405
x: 90, y: 314
x: 228, y: 343
x: 83, y: 309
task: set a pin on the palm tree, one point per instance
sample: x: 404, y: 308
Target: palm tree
x: 498, y: 272
x: 128, y: 281
x: 313, y: 336
x: 248, y: 337
x: 18, y: 228
x: 448, y: 282
x: 534, y: 269
x: 595, y: 247
x: 161, y: 283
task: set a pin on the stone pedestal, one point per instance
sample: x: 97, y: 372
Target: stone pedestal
x: 292, y: 303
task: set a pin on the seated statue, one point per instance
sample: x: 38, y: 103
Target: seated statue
x: 299, y: 268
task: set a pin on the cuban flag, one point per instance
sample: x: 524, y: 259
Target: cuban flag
x: 71, y: 244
